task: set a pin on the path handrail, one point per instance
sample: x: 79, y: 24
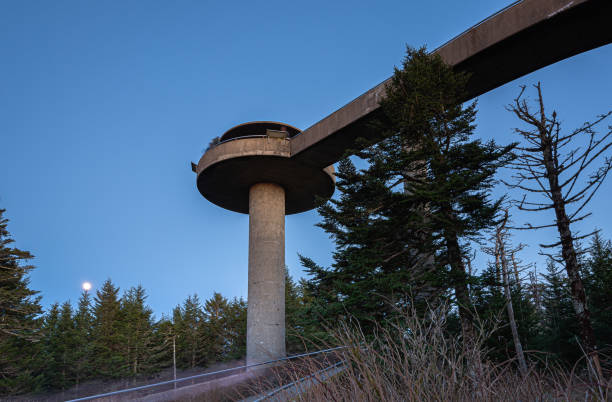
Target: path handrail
x: 122, y: 391
x: 299, y: 381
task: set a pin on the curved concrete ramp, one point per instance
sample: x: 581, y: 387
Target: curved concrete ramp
x: 520, y: 39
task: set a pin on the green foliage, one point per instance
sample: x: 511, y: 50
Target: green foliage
x: 119, y: 338
x: 490, y: 306
x: 445, y: 172
x: 210, y: 333
x: 60, y: 344
x: 188, y: 319
x: 214, y: 327
x: 560, y: 330
x: 83, y: 326
x: 598, y: 282
x: 401, y: 224
x: 19, y: 323
x: 107, y: 338
x: 236, y: 328
x: 137, y: 329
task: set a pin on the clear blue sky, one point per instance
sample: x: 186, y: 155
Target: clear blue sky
x: 104, y: 104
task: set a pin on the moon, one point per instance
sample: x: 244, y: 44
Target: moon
x: 86, y: 286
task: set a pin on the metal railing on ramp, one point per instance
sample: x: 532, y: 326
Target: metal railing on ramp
x: 203, y: 375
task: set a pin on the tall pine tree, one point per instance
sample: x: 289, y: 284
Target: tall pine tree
x: 597, y: 277
x: 83, y: 324
x: 402, y: 224
x: 19, y: 312
x: 107, y: 337
x: 236, y: 328
x: 188, y: 320
x: 446, y: 171
x: 137, y: 329
x: 214, y: 330
x: 559, y: 334
x: 60, y: 345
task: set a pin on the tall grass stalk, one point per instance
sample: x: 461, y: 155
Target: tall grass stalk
x: 416, y: 360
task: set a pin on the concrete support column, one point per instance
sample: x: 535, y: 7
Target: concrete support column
x: 266, y: 301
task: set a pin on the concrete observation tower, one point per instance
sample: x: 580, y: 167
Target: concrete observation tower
x: 250, y: 171
x: 269, y: 169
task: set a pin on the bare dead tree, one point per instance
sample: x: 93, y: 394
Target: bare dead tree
x: 563, y: 175
x: 515, y: 266
x: 535, y: 288
x: 503, y: 252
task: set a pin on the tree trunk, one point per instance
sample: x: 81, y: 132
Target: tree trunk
x: 515, y: 268
x: 515, y: 337
x: 568, y: 252
x: 535, y: 291
x: 497, y: 264
x: 174, y: 359
x: 461, y: 289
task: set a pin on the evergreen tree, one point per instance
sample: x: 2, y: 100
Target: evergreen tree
x: 214, y: 330
x: 402, y: 224
x: 163, y: 342
x: 444, y: 170
x: 375, y: 269
x: 137, y: 331
x: 60, y: 345
x: 293, y: 305
x: 490, y: 304
x: 108, y: 340
x: 598, y: 284
x: 188, y: 319
x: 561, y: 327
x: 236, y: 328
x: 19, y: 323
x: 83, y: 324
x: 50, y: 333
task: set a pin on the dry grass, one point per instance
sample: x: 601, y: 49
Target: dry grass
x: 415, y: 360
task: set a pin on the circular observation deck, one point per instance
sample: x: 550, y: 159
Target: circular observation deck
x: 258, y: 128
x: 259, y: 152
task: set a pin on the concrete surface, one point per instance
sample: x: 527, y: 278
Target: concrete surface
x: 266, y: 300
x: 227, y: 172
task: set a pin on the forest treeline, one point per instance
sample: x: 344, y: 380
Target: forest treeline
x: 406, y: 229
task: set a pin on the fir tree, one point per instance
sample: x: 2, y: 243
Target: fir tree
x: 137, y: 331
x: 559, y: 333
x: 445, y: 171
x: 188, y: 319
x: 51, y: 335
x: 375, y: 267
x: 107, y: 337
x: 164, y: 343
x: 236, y: 322
x: 60, y: 346
x: 83, y: 324
x: 214, y: 330
x: 19, y: 323
x: 402, y: 224
x: 293, y: 330
x: 598, y: 283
